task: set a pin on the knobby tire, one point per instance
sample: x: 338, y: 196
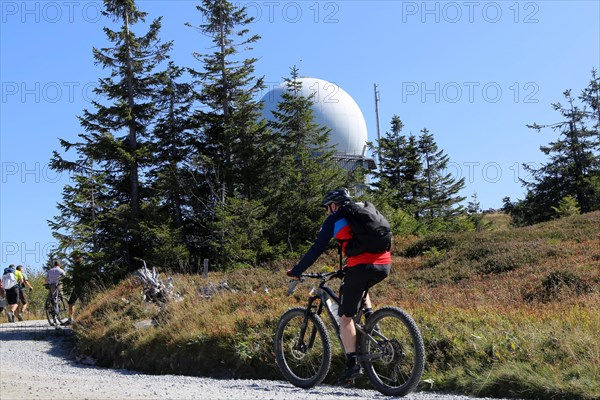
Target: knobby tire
x: 56, y: 315
x: 304, y: 361
x: 48, y: 309
x: 395, y: 364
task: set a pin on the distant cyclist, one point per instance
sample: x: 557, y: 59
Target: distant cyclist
x: 53, y: 279
x: 363, y: 271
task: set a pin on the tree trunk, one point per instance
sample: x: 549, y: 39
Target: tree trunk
x: 134, y: 248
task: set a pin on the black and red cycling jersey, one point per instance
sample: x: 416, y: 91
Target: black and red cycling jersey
x: 336, y: 226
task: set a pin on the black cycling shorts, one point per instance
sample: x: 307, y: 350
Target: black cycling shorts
x: 357, y: 280
x: 73, y: 298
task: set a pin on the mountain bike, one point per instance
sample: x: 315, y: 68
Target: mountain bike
x: 389, y: 344
x: 55, y: 308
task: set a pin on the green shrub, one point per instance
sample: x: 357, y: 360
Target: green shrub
x: 488, y: 257
x: 560, y: 281
x: 434, y: 257
x: 438, y: 241
x: 499, y: 262
x: 402, y: 223
x: 558, y: 284
x: 567, y: 206
x: 479, y: 250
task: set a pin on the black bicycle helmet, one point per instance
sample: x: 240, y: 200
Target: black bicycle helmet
x: 337, y: 196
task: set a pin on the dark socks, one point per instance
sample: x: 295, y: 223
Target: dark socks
x: 351, y: 359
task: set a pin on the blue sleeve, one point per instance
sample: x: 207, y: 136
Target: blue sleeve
x: 318, y: 247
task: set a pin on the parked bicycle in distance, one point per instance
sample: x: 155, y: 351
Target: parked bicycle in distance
x: 389, y: 344
x: 55, y: 308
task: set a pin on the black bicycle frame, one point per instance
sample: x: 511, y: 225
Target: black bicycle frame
x: 324, y: 293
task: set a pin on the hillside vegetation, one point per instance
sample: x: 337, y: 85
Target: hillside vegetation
x: 505, y: 312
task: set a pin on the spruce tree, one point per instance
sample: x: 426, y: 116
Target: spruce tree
x: 440, y: 198
x: 390, y: 153
x: 573, y: 167
x: 590, y: 97
x: 412, y: 183
x: 171, y: 143
x: 79, y: 225
x: 231, y: 137
x: 168, y: 230
x: 399, y: 179
x: 303, y: 164
x: 232, y: 140
x: 474, y: 206
x: 116, y: 129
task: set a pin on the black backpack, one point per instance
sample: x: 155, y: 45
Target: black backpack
x: 371, y: 231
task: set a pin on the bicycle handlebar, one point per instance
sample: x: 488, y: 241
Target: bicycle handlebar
x: 323, y: 276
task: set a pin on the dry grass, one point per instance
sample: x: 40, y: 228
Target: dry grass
x: 508, y: 312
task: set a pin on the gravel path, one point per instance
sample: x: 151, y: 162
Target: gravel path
x: 37, y: 363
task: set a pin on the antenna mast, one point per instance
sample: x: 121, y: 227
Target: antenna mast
x: 377, y: 118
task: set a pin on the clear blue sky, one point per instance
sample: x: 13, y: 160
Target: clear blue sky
x: 474, y: 73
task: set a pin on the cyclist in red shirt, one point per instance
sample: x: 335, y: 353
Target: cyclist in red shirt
x: 362, y: 271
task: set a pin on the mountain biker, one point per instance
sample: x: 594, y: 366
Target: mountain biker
x: 53, y: 279
x: 362, y: 272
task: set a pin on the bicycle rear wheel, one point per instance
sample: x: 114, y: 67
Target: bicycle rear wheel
x: 393, y: 352
x: 61, y: 313
x: 302, y: 348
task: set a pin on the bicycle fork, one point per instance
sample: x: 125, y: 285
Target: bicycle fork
x: 301, y: 344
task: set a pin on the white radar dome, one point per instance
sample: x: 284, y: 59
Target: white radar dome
x: 332, y: 108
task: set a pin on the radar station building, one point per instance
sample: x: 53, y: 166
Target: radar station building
x: 336, y: 110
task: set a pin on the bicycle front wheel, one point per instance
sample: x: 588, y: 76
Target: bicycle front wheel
x: 393, y: 352
x: 49, y: 310
x: 302, y: 348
